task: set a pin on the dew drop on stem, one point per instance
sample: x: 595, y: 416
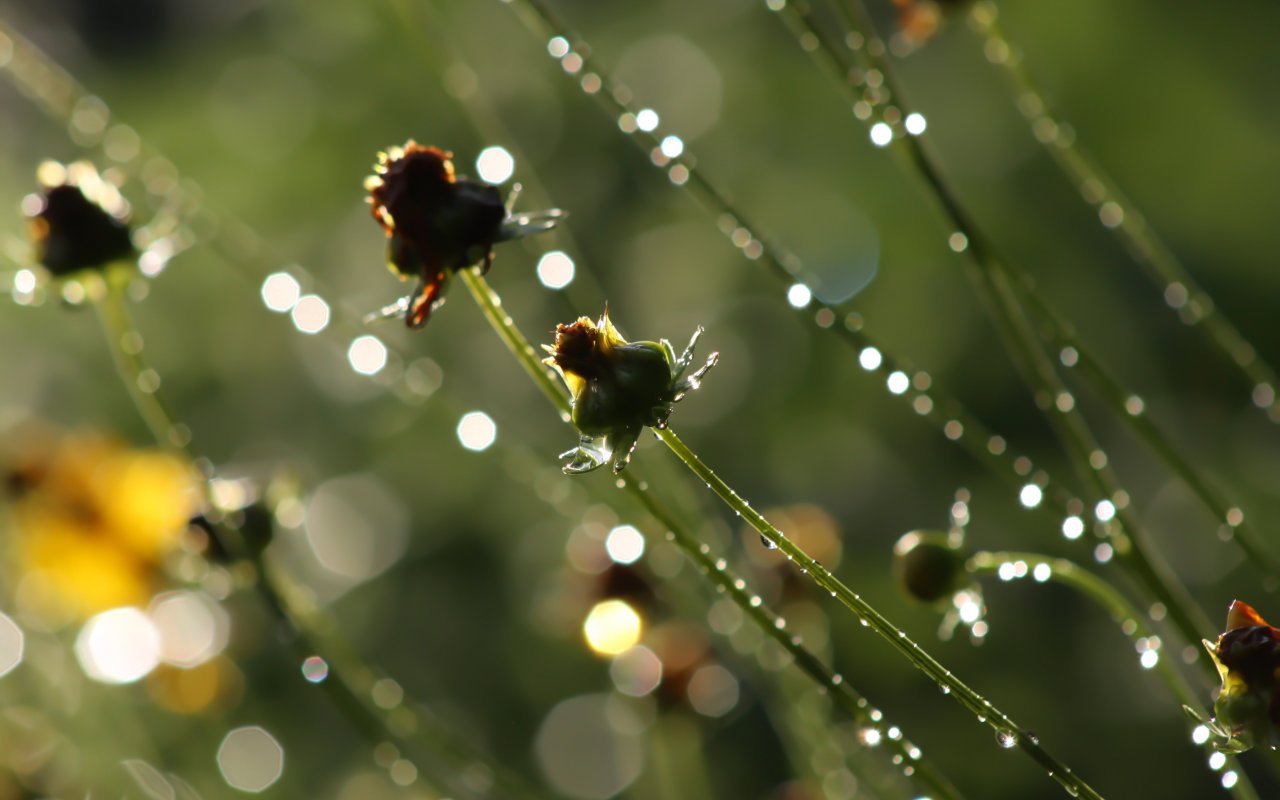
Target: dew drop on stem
x: 945, y: 689
x: 764, y: 540
x: 1006, y: 739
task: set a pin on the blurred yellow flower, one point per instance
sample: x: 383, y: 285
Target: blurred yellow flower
x: 92, y: 520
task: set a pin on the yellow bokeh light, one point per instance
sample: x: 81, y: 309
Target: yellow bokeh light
x: 612, y: 627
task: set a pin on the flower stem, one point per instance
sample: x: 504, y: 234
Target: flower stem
x: 1117, y: 398
x: 1003, y: 725
x: 718, y: 569
x: 1132, y: 622
x: 140, y: 380
x: 1182, y: 294
x: 995, y: 283
x: 774, y: 626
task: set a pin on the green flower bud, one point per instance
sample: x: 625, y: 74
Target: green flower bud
x: 618, y: 387
x: 928, y: 567
x: 1247, y: 655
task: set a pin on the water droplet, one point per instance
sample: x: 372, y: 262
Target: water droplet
x: 1034, y: 739
x: 945, y: 689
x: 768, y: 544
x: 981, y: 718
x: 1006, y: 739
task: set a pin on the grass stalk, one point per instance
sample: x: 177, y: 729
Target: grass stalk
x: 1133, y: 624
x: 139, y: 379
x: 1006, y: 729
x: 1234, y: 525
x: 1182, y: 294
x: 994, y: 280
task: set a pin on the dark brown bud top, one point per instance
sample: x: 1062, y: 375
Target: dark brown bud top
x: 73, y: 233
x: 1250, y: 647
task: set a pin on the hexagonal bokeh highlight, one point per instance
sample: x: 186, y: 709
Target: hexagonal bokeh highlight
x: 250, y: 759
x: 11, y: 645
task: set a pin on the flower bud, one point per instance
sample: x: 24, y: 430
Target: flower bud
x: 928, y: 567
x: 1247, y: 656
x: 920, y: 20
x: 618, y: 387
x: 73, y: 233
x: 438, y: 223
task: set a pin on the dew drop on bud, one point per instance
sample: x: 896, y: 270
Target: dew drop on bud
x: 1006, y: 739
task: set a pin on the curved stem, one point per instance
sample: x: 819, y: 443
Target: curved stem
x: 1182, y: 294
x: 1003, y: 725
x: 716, y: 569
x: 995, y: 280
x: 923, y: 396
x: 1132, y: 623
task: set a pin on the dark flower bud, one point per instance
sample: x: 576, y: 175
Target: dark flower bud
x: 928, y: 567
x: 73, y: 233
x: 438, y: 223
x: 1247, y: 656
x: 920, y: 20
x: 618, y: 387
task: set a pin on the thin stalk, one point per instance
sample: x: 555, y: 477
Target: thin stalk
x: 774, y: 626
x: 718, y: 568
x: 994, y: 281
x: 349, y: 680
x: 1118, y: 399
x: 1133, y: 624
x: 125, y: 344
x: 1119, y: 215
x: 923, y: 396
x: 1006, y: 729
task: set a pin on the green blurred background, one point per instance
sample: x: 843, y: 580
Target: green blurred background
x: 277, y: 110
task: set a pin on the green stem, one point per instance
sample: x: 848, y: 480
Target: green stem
x: 1193, y: 305
x: 944, y: 411
x: 716, y: 569
x: 994, y: 281
x: 1117, y: 398
x: 1003, y: 725
x: 1131, y: 620
x: 126, y: 350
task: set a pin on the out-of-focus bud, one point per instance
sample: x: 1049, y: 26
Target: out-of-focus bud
x: 438, y: 223
x: 928, y: 567
x: 618, y: 387
x: 920, y: 20
x: 74, y: 230
x: 1247, y: 656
